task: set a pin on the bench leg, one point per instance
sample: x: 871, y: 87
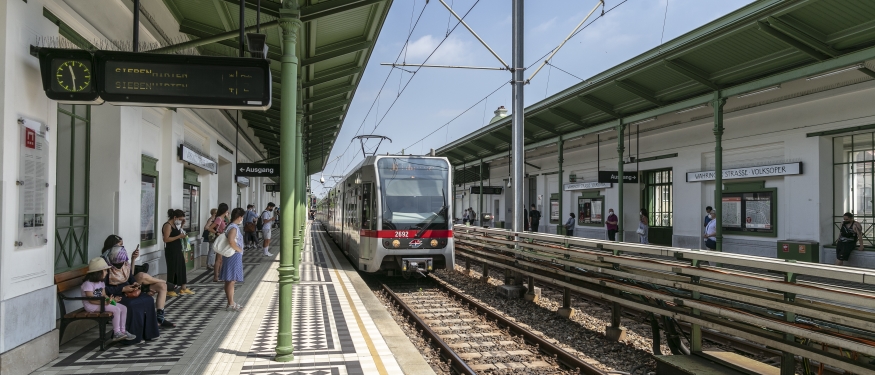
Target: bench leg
x: 62, y: 329
x: 101, y: 324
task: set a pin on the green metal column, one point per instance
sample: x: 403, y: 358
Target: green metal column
x: 290, y: 23
x: 717, y: 104
x: 561, y: 177
x: 621, y: 127
x: 299, y: 193
x: 480, y: 196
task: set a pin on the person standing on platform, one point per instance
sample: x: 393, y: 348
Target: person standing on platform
x: 710, y: 235
x: 173, y: 235
x: 708, y: 215
x: 569, y: 225
x: 249, y: 221
x: 267, y: 219
x: 534, y: 219
x: 209, y: 237
x: 611, y: 225
x: 851, y: 233
x: 232, y: 266
x: 217, y: 228
x: 643, y: 227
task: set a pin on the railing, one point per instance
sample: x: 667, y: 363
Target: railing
x: 71, y: 241
x: 830, y: 322
x: 867, y: 227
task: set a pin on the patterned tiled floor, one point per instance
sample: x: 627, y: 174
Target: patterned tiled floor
x: 332, y: 331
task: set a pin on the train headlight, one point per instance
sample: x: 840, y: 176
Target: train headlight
x: 396, y: 244
x: 404, y: 265
x: 434, y: 243
x: 428, y: 264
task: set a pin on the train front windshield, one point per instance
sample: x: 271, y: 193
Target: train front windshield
x: 414, y: 193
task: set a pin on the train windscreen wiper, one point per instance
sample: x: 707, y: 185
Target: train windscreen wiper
x: 428, y: 222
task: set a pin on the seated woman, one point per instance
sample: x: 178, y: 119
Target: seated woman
x: 117, y: 256
x: 142, y: 320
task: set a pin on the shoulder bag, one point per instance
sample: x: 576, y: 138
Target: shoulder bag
x: 222, y: 247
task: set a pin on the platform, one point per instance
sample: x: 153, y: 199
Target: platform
x: 339, y: 327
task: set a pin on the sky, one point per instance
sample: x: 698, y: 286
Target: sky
x: 450, y: 103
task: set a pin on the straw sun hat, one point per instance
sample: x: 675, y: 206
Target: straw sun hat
x: 97, y: 264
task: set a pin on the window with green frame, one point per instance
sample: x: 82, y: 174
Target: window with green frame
x: 149, y: 201
x: 71, y: 194
x: 658, y: 197
x: 853, y: 176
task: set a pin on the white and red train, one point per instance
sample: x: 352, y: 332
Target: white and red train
x: 391, y: 214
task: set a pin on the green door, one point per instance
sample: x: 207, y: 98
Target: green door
x: 657, y: 198
x: 71, y: 200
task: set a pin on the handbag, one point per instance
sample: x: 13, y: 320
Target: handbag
x: 249, y: 227
x: 133, y: 294
x: 640, y: 231
x: 222, y: 247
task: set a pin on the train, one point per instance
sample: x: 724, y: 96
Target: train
x: 391, y: 215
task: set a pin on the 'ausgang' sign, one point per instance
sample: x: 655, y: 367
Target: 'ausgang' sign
x: 258, y: 170
x: 749, y: 172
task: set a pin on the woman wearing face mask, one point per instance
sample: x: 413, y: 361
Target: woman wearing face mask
x: 217, y: 227
x: 172, y: 234
x: 612, y: 225
x: 122, y: 268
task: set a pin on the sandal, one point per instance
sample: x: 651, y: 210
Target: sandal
x: 234, y: 307
x: 167, y: 324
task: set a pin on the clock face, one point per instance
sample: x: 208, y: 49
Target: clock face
x: 72, y: 75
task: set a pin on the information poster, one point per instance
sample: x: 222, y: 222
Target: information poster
x: 186, y: 207
x: 33, y: 172
x: 589, y: 210
x: 749, y: 212
x: 596, y: 214
x: 554, y: 210
x: 147, y: 208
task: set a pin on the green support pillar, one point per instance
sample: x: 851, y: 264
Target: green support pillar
x: 480, y: 196
x: 561, y: 180
x: 717, y: 104
x: 299, y: 193
x: 621, y: 128
x: 290, y: 23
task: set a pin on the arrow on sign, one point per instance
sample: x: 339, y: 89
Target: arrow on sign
x: 258, y: 170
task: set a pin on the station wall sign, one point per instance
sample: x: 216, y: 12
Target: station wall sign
x: 749, y: 172
x: 258, y: 170
x: 588, y: 186
x: 156, y: 80
x: 242, y: 181
x: 272, y: 188
x: 610, y: 177
x: 486, y: 190
x: 196, y: 159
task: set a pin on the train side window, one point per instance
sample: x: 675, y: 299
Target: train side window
x: 366, y: 206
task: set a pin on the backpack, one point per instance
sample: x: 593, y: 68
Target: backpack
x: 209, y: 236
x: 260, y: 223
x: 222, y: 247
x: 536, y: 215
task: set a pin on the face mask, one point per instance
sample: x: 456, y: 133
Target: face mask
x: 610, y: 212
x: 177, y: 222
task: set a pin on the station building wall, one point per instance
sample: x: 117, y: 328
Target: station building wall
x: 122, y: 139
x: 773, y: 131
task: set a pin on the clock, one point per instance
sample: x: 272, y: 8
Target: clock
x: 71, y: 75
x: 68, y: 75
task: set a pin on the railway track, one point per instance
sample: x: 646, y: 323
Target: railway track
x: 735, y: 343
x: 473, y: 338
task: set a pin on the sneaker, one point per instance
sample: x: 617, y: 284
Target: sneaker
x: 268, y: 254
x: 167, y: 324
x: 186, y: 291
x: 234, y: 307
x: 119, y: 336
x: 172, y: 294
x: 131, y: 336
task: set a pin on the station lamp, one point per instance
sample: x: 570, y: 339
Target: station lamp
x: 256, y: 45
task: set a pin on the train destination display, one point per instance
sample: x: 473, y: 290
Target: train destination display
x: 148, y: 79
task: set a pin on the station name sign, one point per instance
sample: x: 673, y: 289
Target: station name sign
x: 588, y: 186
x: 749, y: 172
x: 611, y: 177
x: 258, y: 170
x: 195, y: 158
x: 151, y: 79
x: 486, y: 190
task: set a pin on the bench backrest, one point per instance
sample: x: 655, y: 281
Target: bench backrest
x: 68, y: 281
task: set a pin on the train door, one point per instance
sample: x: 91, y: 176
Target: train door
x: 368, y: 243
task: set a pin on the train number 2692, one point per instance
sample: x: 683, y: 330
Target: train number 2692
x: 401, y: 234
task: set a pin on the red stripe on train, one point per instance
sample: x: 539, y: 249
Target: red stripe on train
x: 405, y: 233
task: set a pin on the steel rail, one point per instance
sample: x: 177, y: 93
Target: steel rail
x: 456, y: 362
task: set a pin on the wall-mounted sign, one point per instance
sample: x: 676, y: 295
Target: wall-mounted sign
x: 486, y: 190
x: 749, y: 172
x: 572, y: 178
x: 33, y: 185
x: 587, y: 186
x: 460, y: 196
x: 258, y: 170
x: 149, y: 79
x: 610, y: 177
x: 197, y: 159
x: 242, y: 181
x: 272, y: 188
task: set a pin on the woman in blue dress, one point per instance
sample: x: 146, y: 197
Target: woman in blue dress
x: 232, y: 267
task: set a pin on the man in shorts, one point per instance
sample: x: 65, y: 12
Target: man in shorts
x: 267, y: 219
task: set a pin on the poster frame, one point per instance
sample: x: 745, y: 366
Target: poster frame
x: 149, y: 168
x: 731, y: 190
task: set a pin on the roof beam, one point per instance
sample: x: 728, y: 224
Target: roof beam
x: 791, y: 39
x: 331, y: 77
x: 639, y: 92
x: 541, y: 125
x: 469, y: 150
x: 599, y: 105
x: 327, y: 94
x: 267, y: 7
x: 354, y: 47
x: 482, y: 144
x: 803, y: 37
x: 497, y: 139
x: 568, y: 116
x: 332, y: 120
x: 691, y: 73
x: 207, y: 32
x: 331, y: 106
x: 330, y: 7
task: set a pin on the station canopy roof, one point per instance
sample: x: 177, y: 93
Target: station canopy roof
x: 764, y: 44
x: 334, y: 46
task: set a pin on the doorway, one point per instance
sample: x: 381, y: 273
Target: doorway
x: 657, y: 198
x: 71, y: 199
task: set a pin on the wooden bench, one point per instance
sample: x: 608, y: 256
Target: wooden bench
x: 71, y: 280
